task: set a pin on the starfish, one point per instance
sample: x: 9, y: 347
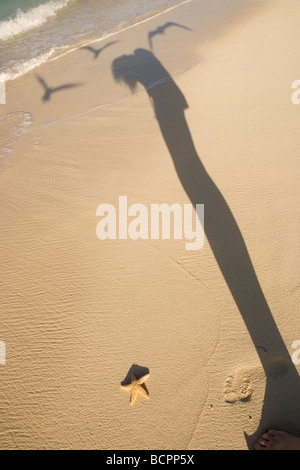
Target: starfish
x: 137, y: 386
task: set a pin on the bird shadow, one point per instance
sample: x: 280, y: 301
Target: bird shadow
x: 49, y: 90
x: 97, y: 52
x: 161, y: 30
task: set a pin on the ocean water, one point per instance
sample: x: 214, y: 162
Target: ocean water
x: 33, y: 31
x: 8, y: 8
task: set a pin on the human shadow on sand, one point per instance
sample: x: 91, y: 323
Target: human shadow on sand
x: 281, y: 402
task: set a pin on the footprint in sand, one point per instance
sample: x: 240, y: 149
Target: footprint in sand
x: 238, y: 387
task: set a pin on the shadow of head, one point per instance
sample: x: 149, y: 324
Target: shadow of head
x: 140, y: 67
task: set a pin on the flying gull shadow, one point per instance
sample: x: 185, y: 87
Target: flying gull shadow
x: 49, y: 91
x: 96, y: 52
x: 161, y: 30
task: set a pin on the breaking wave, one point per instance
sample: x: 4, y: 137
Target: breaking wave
x: 34, y: 18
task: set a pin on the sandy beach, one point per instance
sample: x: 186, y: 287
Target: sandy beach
x: 193, y: 106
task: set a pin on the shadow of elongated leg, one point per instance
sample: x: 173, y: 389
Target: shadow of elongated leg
x: 281, y: 409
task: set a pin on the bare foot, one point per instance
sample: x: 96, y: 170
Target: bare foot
x: 277, y: 440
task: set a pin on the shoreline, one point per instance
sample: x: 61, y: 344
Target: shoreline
x: 87, y: 73
x: 72, y: 48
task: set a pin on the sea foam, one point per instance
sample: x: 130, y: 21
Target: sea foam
x: 34, y: 18
x: 12, y: 125
x: 25, y: 67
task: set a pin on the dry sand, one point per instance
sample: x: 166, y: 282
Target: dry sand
x: 77, y: 312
